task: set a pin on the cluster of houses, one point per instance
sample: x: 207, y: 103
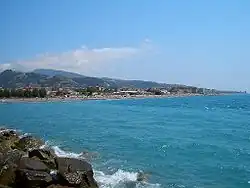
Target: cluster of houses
x: 101, y: 91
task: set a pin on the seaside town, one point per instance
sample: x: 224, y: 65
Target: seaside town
x: 97, y: 92
x: 61, y: 85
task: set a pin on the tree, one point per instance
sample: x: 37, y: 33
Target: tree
x: 6, y: 93
x: 13, y: 93
x: 91, y: 90
x: 19, y: 93
x: 1, y: 93
x: 35, y: 92
x: 27, y: 93
x: 42, y: 92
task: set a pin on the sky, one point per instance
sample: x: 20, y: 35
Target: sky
x: 203, y: 43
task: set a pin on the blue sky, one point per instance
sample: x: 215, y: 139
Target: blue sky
x: 203, y: 43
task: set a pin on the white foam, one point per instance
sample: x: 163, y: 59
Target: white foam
x: 121, y: 179
x: 60, y: 153
x: 119, y: 176
x: 24, y: 135
x: 7, y: 130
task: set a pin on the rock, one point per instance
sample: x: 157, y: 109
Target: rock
x: 32, y: 179
x: 57, y: 186
x: 4, y: 186
x: 9, y: 133
x: 32, y: 164
x: 7, y: 140
x: 64, y: 163
x: 75, y: 172
x: 45, y: 155
x: 8, y: 164
x: 142, y: 177
x: 11, y: 157
x: 71, y: 178
x: 28, y: 142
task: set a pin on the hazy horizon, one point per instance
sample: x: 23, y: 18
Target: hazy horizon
x: 200, y: 43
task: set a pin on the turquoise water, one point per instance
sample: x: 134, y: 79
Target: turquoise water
x: 192, y: 142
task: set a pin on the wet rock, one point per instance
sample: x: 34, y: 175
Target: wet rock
x: 75, y: 172
x: 28, y: 142
x: 45, y: 155
x: 32, y: 179
x: 142, y: 177
x: 32, y: 164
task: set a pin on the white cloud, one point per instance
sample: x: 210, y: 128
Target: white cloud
x: 82, y: 60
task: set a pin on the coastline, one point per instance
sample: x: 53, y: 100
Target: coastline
x: 99, y: 97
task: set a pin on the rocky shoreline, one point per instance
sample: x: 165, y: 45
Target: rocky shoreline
x: 25, y: 163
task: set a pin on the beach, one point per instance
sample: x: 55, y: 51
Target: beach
x: 98, y: 97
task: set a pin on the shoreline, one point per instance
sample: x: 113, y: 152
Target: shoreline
x: 26, y: 161
x: 105, y: 97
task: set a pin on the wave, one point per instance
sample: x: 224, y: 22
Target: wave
x: 119, y: 179
x: 61, y: 153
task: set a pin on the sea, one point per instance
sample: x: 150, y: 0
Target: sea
x: 182, y: 142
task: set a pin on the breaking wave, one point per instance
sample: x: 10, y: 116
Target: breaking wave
x: 119, y: 179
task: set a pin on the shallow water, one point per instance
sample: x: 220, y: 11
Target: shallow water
x: 193, y: 142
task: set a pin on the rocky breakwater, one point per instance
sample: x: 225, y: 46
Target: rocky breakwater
x: 25, y: 163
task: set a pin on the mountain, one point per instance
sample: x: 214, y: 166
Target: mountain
x: 107, y: 82
x: 55, y: 78
x: 51, y: 72
x: 134, y: 83
x: 13, y: 79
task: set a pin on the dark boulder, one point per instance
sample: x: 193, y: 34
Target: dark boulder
x: 32, y: 179
x: 45, y: 155
x: 8, y: 165
x: 64, y: 163
x: 32, y: 164
x: 75, y: 172
x: 28, y: 142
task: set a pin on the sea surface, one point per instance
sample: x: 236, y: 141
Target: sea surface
x: 187, y: 142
